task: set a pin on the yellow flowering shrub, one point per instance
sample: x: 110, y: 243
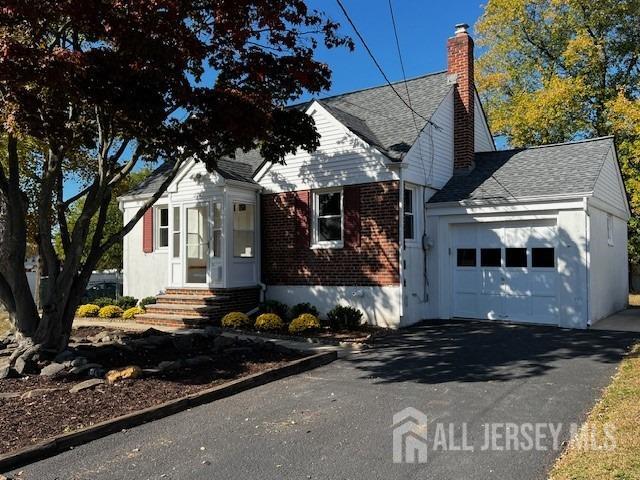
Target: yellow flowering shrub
x: 131, y: 313
x: 236, y: 320
x: 269, y: 321
x: 110, y: 311
x: 88, y: 310
x: 303, y: 323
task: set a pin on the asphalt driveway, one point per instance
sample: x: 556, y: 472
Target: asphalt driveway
x: 336, y: 422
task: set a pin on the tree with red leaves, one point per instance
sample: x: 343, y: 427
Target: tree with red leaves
x: 105, y: 85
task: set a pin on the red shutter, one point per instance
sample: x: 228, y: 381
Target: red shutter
x: 302, y: 214
x: 147, y: 231
x: 352, y: 216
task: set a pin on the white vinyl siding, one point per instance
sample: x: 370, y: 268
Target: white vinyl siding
x: 342, y: 159
x: 609, y: 187
x: 483, y: 140
x: 430, y: 159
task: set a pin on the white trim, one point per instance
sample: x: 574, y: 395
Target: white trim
x: 317, y: 244
x: 410, y: 188
x: 610, y: 229
x: 157, y: 226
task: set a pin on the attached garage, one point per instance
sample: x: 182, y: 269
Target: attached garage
x: 533, y: 236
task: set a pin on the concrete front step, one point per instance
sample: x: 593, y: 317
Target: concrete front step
x: 198, y: 292
x: 187, y: 310
x: 187, y: 299
x: 174, y: 320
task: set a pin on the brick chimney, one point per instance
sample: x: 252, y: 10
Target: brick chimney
x: 460, y: 69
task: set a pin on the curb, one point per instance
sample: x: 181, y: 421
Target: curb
x: 59, y: 444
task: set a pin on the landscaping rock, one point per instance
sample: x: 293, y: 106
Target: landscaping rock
x: 212, y: 331
x: 52, y: 370
x: 94, y: 382
x: 170, y: 365
x: 197, y: 361
x: 123, y: 374
x: 84, y: 368
x: 24, y: 365
x: 38, y: 392
x: 183, y: 343
x: 97, y: 372
x: 157, y: 340
x: 78, y: 362
x: 66, y: 356
x: 222, y: 342
x: 5, y: 369
x: 153, y: 332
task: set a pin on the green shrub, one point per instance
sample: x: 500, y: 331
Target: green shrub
x: 269, y: 321
x: 304, y: 323
x: 131, y: 313
x: 104, y: 301
x: 147, y: 301
x: 127, y: 302
x: 236, y: 320
x: 301, y: 308
x: 89, y: 310
x: 273, y: 306
x: 110, y: 311
x: 344, y: 318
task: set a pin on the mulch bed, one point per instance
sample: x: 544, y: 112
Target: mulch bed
x: 34, y: 417
x: 366, y: 335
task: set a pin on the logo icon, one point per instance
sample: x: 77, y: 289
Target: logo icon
x: 410, y: 436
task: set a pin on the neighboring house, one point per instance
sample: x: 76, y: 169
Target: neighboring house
x: 407, y: 216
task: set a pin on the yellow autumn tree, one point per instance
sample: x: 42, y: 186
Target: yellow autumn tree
x: 559, y: 70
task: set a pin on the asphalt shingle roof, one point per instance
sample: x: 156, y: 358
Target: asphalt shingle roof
x: 561, y: 169
x: 375, y: 114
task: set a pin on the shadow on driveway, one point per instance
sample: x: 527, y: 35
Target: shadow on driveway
x: 469, y: 351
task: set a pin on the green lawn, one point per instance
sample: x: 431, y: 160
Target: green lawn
x: 619, y: 407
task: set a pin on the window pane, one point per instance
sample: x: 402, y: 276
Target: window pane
x: 329, y: 204
x: 329, y: 229
x: 164, y: 217
x: 408, y: 227
x: 466, y: 257
x: 408, y: 200
x: 516, y: 257
x: 176, y: 245
x: 490, y: 257
x: 543, y: 257
x: 217, y: 243
x: 163, y: 241
x: 243, y: 226
x: 217, y: 215
x: 176, y: 219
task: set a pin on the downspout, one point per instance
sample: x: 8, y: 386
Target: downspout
x: 401, y: 244
x: 263, y: 287
x: 587, y: 236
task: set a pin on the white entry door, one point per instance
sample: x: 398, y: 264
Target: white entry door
x: 505, y: 271
x: 197, y: 244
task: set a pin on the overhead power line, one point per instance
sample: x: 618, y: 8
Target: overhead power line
x: 375, y: 61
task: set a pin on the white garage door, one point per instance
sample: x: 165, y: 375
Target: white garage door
x: 505, y: 271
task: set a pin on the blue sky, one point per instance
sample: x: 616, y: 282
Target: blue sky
x: 423, y: 29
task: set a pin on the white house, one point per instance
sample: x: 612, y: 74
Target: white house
x: 407, y: 216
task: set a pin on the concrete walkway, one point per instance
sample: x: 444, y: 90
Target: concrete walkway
x: 625, y: 321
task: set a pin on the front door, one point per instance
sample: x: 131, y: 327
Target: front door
x: 197, y: 245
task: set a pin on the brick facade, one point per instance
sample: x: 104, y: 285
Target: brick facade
x: 460, y: 63
x: 370, y: 256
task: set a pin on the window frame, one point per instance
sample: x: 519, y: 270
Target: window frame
x: 412, y: 214
x: 234, y: 202
x: 316, y: 243
x: 158, y: 227
x: 610, y: 230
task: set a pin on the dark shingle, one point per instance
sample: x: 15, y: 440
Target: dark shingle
x: 375, y: 114
x: 562, y: 169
